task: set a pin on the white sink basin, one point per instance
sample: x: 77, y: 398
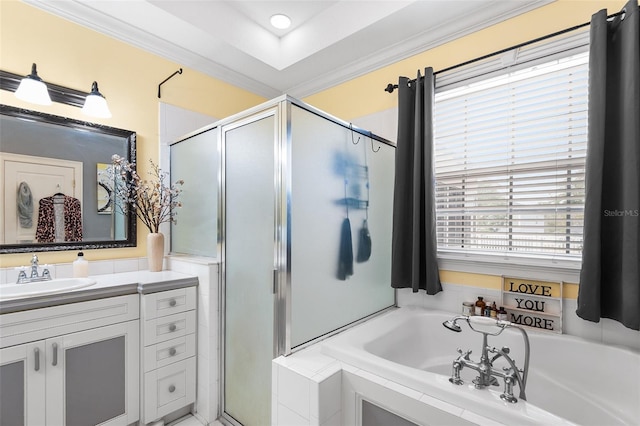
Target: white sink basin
x: 16, y: 291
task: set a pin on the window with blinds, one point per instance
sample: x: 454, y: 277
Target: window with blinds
x: 509, y: 161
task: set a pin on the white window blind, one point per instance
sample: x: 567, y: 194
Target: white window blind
x: 509, y: 162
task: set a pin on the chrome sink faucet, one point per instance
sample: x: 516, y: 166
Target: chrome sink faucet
x: 34, y: 277
x: 487, y: 373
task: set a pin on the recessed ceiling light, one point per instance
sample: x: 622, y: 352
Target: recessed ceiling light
x: 280, y: 21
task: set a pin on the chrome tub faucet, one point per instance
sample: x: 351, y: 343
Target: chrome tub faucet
x: 487, y: 374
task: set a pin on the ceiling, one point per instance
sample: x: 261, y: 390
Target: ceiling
x: 329, y: 41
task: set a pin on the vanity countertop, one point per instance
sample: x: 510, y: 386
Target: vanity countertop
x: 108, y: 285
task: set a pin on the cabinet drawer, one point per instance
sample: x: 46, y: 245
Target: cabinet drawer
x: 170, y: 302
x: 37, y: 324
x: 169, y: 388
x: 168, y: 352
x: 169, y: 327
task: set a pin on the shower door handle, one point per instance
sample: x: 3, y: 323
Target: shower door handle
x: 274, y: 282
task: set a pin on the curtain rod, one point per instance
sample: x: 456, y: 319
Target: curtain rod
x: 391, y: 87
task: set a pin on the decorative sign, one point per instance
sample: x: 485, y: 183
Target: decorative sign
x: 533, y: 303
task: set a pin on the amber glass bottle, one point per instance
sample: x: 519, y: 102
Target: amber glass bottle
x: 480, y: 305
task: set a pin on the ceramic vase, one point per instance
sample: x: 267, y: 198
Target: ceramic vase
x: 155, y: 251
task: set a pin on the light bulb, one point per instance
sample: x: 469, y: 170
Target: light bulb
x: 280, y: 21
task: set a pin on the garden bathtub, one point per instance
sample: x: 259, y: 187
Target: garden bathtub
x: 571, y: 380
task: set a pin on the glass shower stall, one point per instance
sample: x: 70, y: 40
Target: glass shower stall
x: 303, y: 236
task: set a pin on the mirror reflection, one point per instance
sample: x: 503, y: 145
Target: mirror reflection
x: 56, y: 193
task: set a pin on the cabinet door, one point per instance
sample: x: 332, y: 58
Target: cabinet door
x: 22, y: 385
x: 93, y: 376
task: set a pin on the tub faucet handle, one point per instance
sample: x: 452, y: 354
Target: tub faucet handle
x: 507, y: 395
x: 455, y: 373
x: 464, y: 354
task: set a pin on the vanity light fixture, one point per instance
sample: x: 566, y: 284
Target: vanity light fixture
x: 280, y: 21
x: 95, y: 104
x: 33, y: 89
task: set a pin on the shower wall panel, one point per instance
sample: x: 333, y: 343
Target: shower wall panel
x: 339, y: 179
x: 195, y: 160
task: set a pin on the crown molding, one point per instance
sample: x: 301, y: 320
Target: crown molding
x: 427, y: 40
x: 84, y: 14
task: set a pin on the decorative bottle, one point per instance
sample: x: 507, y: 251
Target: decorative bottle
x: 480, y: 305
x: 80, y: 267
x: 502, y: 313
x: 494, y: 310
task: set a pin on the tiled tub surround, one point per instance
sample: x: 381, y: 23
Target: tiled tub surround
x: 452, y: 295
x: 315, y: 389
x: 394, y: 365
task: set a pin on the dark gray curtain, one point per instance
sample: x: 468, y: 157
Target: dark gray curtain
x: 414, y: 253
x: 610, y: 279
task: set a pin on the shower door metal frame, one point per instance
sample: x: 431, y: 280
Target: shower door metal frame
x: 283, y: 282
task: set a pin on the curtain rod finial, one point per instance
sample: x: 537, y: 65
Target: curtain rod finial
x: 390, y: 87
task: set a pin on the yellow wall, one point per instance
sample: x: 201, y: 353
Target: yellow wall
x: 73, y: 56
x: 494, y: 282
x: 366, y: 95
x: 70, y: 55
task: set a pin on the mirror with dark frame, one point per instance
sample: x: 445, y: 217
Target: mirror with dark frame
x: 56, y: 193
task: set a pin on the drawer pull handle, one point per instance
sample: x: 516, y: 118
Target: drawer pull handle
x: 172, y: 302
x: 55, y: 354
x: 172, y: 351
x: 172, y: 327
x: 37, y: 360
x: 172, y: 389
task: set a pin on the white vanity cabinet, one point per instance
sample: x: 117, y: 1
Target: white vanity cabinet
x: 168, y: 369
x: 71, y: 364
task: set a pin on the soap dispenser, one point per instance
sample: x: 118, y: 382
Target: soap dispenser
x: 80, y: 267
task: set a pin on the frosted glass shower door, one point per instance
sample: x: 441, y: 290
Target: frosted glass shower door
x: 248, y: 266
